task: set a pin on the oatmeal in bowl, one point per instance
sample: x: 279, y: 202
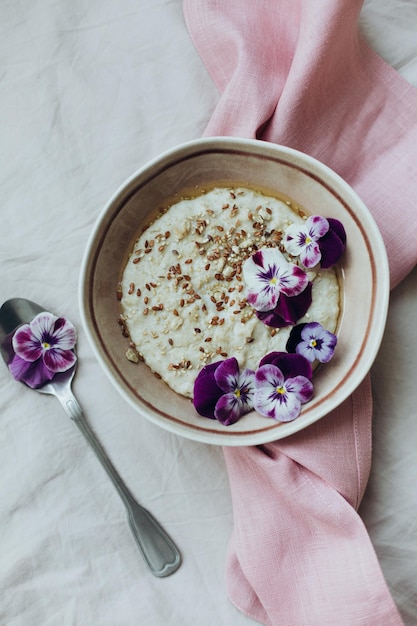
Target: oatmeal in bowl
x: 203, y: 265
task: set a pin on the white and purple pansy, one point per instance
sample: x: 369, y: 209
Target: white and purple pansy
x: 224, y: 393
x: 312, y: 341
x: 318, y: 240
x: 268, y: 274
x: 42, y: 349
x: 279, y: 291
x: 282, y: 385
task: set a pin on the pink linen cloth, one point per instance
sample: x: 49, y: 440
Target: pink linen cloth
x: 297, y: 72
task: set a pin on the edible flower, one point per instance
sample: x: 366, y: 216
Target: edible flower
x: 268, y: 275
x: 222, y: 392
x: 282, y: 385
x: 42, y: 349
x: 312, y: 341
x: 319, y: 240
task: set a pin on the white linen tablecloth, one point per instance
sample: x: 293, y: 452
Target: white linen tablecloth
x: 91, y: 90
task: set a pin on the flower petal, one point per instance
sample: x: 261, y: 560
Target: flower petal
x: 58, y: 360
x: 300, y: 386
x: 333, y: 244
x: 33, y: 373
x: 227, y: 374
x: 294, y: 338
x: 293, y: 280
x: 337, y: 227
x: 317, y: 226
x: 290, y: 365
x: 42, y: 325
x: 295, y: 239
x: 228, y: 409
x: 310, y: 255
x: 206, y: 391
x: 247, y: 388
x: 26, y: 345
x: 64, y: 334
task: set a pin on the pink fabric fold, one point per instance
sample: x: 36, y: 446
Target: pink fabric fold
x: 297, y: 72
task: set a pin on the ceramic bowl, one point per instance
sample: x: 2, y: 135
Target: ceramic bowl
x: 227, y: 161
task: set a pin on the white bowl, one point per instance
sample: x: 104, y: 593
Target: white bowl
x: 231, y: 161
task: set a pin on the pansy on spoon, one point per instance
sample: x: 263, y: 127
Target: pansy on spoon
x: 279, y: 290
x: 39, y: 349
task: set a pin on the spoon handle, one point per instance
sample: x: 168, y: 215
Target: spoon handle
x: 158, y: 550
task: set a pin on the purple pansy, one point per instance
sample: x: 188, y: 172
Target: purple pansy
x: 312, y: 341
x: 43, y: 348
x: 318, y: 240
x: 268, y: 275
x: 279, y: 396
x: 222, y: 392
x: 288, y: 310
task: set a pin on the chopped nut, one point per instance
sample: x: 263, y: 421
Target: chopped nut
x: 132, y: 355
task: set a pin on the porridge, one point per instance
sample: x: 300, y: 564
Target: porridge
x: 183, y: 294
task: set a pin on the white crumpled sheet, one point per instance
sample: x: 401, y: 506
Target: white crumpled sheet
x: 90, y: 90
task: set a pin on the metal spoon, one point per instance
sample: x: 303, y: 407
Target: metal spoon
x: 160, y: 553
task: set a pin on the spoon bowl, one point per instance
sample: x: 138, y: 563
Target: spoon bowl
x: 157, y: 548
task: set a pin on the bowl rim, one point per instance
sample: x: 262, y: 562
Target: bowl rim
x: 381, y: 288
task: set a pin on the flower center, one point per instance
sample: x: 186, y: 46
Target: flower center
x: 281, y: 390
x: 273, y: 281
x: 313, y: 343
x: 308, y: 240
x: 46, y: 345
x: 237, y: 393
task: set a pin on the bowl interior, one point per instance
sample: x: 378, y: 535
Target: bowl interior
x: 226, y: 161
